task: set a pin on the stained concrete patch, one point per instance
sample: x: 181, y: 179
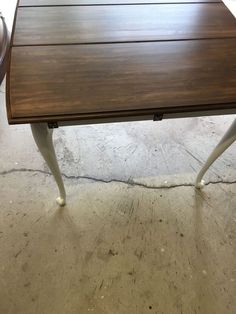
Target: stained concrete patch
x: 115, y: 249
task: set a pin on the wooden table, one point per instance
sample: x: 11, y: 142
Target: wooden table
x: 90, y: 61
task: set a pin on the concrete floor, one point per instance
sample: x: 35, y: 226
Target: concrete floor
x: 135, y: 237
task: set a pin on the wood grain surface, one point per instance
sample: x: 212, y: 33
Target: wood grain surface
x: 99, y: 24
x: 71, y: 62
x: 99, y: 2
x: 119, y: 77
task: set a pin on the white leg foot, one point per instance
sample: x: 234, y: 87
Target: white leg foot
x: 226, y: 141
x: 43, y: 139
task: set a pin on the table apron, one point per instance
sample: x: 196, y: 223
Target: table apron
x: 157, y: 117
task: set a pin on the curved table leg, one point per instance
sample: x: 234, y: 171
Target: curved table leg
x: 226, y: 141
x: 43, y: 139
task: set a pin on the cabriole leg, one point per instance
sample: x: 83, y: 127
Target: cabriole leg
x: 226, y: 141
x: 43, y: 139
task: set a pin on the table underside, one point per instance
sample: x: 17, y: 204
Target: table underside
x: 90, y: 59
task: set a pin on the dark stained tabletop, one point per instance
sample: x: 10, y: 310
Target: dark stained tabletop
x: 82, y: 59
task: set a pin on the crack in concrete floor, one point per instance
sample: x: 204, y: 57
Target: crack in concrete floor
x: 130, y: 182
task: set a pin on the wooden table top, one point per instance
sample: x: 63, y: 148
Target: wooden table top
x: 84, y: 59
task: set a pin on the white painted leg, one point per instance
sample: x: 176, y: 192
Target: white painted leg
x: 226, y: 141
x: 43, y: 139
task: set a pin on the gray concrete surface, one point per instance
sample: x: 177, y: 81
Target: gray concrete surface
x: 135, y: 236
